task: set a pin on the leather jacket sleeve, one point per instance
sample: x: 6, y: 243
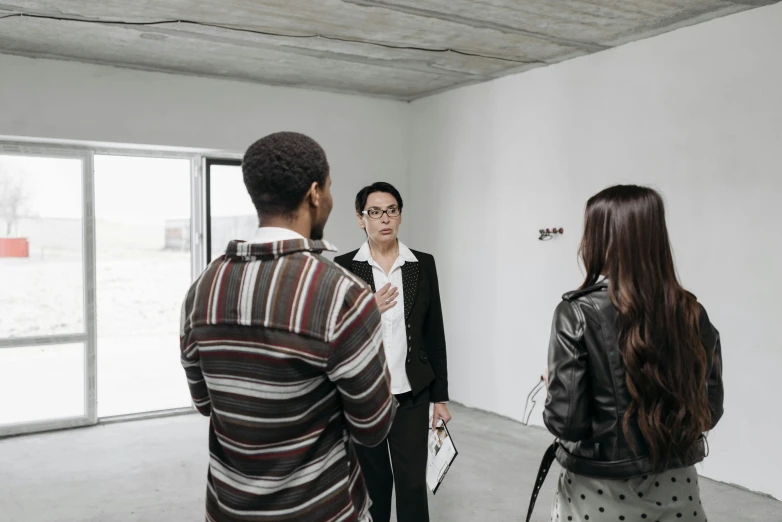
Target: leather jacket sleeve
x: 567, y: 414
x: 711, y: 340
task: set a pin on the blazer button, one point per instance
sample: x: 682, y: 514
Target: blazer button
x: 408, y: 360
x: 409, y: 337
x: 409, y: 325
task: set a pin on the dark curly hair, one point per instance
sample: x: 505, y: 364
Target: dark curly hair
x: 279, y: 170
x: 380, y: 186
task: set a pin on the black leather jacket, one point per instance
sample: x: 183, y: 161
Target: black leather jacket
x: 587, y: 394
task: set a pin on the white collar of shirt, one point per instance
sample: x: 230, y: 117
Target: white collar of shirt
x: 405, y: 254
x: 274, y: 234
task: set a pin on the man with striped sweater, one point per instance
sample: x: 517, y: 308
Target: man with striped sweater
x: 283, y: 350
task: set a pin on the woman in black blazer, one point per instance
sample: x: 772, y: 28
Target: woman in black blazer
x: 408, y: 295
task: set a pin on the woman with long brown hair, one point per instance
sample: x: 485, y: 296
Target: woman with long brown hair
x: 635, y: 373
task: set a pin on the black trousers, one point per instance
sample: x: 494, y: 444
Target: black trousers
x: 406, y: 467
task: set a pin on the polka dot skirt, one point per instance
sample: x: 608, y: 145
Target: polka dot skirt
x: 669, y: 497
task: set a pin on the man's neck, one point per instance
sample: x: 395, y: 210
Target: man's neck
x: 297, y: 225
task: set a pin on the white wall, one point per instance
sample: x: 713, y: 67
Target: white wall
x: 365, y: 139
x: 697, y: 114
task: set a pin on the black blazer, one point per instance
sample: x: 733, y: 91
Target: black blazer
x: 427, y: 363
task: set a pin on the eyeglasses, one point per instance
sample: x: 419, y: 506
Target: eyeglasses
x: 376, y: 213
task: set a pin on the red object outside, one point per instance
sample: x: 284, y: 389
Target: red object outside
x: 14, y: 247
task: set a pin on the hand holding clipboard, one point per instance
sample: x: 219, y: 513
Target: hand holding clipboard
x: 441, y: 454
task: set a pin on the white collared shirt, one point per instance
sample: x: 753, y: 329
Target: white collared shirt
x: 394, y: 331
x: 273, y: 234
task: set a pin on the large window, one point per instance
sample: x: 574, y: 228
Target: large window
x: 45, y: 274
x: 97, y: 251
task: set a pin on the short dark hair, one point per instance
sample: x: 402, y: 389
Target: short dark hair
x: 380, y: 186
x: 279, y: 170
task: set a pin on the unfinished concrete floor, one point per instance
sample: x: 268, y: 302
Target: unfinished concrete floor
x: 154, y: 471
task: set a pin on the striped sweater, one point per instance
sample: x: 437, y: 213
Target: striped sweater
x: 283, y: 350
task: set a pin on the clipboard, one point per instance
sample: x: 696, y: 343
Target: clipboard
x: 441, y: 452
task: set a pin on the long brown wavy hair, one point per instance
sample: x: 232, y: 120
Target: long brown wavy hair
x: 626, y: 240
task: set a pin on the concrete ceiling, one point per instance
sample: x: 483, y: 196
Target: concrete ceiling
x: 401, y: 49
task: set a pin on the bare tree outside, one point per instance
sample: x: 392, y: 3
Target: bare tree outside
x: 13, y: 200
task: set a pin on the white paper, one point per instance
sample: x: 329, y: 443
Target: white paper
x: 440, y: 455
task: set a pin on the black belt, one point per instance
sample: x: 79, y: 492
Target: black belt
x: 545, y: 466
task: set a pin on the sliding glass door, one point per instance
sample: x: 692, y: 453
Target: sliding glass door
x: 97, y: 251
x: 143, y: 270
